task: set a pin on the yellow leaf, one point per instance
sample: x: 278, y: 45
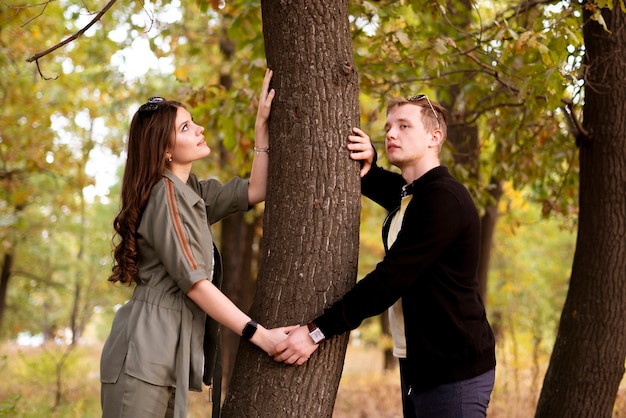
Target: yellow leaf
x: 440, y: 46
x: 597, y: 16
x: 181, y: 73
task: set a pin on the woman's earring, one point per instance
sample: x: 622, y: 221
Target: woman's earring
x: 169, y: 158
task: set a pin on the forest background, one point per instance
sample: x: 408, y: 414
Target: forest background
x: 63, y: 123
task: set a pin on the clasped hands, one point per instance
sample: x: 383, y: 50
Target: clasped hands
x: 293, y: 345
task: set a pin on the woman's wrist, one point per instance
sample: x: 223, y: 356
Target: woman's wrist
x: 261, y: 149
x: 261, y: 125
x: 258, y: 338
x: 249, y: 330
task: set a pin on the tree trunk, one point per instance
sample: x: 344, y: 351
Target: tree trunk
x: 238, y: 239
x: 238, y: 255
x: 466, y: 152
x: 587, y: 362
x: 7, y: 266
x: 487, y: 231
x: 464, y: 137
x: 311, y: 223
x: 390, y: 362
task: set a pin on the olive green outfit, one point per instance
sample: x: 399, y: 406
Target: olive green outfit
x: 157, y: 337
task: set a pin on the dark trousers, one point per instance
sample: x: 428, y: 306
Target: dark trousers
x: 464, y: 399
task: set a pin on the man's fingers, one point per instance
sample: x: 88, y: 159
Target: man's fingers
x: 291, y: 328
x: 292, y: 359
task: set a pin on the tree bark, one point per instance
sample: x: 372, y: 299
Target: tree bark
x: 587, y: 362
x: 311, y: 222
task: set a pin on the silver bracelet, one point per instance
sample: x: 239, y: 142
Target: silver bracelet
x: 262, y: 149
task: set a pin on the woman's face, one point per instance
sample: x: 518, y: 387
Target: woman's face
x: 188, y: 144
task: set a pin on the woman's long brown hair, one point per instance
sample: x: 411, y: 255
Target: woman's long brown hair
x: 151, y: 133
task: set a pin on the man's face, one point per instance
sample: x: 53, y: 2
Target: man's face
x: 406, y: 139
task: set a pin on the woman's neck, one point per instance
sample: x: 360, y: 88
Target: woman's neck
x: 181, y: 171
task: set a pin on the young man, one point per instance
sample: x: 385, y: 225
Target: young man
x: 428, y: 277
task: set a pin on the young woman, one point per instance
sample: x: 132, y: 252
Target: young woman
x: 154, y: 353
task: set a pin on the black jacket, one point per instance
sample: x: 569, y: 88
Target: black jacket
x: 432, y: 266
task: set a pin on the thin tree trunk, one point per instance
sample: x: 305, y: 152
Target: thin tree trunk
x: 238, y: 239
x: 466, y: 148
x: 311, y: 224
x: 487, y: 231
x: 587, y: 362
x: 7, y: 266
x: 390, y: 362
x: 238, y: 255
x: 466, y: 152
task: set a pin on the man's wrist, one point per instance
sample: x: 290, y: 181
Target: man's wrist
x: 315, y: 333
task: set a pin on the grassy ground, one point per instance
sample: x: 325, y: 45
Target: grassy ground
x: 28, y: 385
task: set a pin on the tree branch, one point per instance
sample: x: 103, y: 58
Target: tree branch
x: 78, y: 34
x: 575, y: 127
x: 43, y: 5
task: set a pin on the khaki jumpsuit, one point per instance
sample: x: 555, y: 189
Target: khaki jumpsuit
x: 156, y: 340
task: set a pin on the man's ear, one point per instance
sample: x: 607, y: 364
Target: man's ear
x: 436, y: 139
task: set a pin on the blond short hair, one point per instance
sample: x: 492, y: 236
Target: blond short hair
x: 434, y: 116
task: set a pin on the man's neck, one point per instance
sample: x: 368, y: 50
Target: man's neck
x: 413, y: 172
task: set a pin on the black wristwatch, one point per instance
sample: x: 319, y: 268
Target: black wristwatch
x: 315, y: 333
x: 249, y: 330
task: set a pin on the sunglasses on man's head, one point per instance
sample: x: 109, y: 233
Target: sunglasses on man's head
x: 422, y: 97
x: 151, y: 104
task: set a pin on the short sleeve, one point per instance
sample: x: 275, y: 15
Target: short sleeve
x: 175, y: 238
x: 221, y: 200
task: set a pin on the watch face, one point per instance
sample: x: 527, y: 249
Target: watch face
x: 317, y: 335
